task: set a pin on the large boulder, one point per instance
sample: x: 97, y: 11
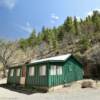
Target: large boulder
x: 88, y: 84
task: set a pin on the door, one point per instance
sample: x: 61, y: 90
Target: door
x: 23, y: 75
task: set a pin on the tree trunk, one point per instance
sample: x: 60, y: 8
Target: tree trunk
x: 4, y: 71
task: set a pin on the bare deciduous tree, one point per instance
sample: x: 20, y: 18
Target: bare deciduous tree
x: 7, y: 50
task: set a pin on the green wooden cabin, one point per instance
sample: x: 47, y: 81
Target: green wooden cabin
x: 49, y: 72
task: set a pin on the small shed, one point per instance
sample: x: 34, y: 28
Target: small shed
x: 48, y: 73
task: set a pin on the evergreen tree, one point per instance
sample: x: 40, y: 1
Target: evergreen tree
x: 54, y: 39
x: 76, y: 26
x: 23, y: 44
x: 69, y: 25
x: 96, y: 20
x: 32, y: 40
x: 60, y: 33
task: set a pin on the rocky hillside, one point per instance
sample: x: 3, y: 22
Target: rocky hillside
x: 79, y: 37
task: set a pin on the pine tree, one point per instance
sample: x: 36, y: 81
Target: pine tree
x: 96, y: 20
x: 32, y: 40
x: 60, y: 33
x: 76, y: 26
x: 69, y: 25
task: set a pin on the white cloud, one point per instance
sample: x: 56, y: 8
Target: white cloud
x: 78, y: 18
x: 27, y: 28
x: 10, y: 4
x: 54, y: 17
x: 90, y: 13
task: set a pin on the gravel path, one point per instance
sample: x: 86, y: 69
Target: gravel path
x: 85, y: 94
x: 69, y: 93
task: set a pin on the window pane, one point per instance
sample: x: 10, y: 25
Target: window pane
x: 59, y: 70
x: 31, y: 71
x: 18, y: 72
x: 12, y: 72
x: 53, y: 70
x: 42, y: 70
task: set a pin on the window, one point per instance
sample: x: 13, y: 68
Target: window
x: 56, y: 70
x: 53, y: 70
x: 12, y: 72
x: 18, y: 72
x: 59, y: 70
x: 42, y: 70
x: 31, y: 71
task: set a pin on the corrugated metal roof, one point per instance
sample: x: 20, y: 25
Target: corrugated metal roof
x: 56, y: 58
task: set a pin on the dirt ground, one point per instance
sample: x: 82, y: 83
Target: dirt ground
x: 75, y: 92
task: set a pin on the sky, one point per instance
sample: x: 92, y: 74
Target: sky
x: 19, y: 17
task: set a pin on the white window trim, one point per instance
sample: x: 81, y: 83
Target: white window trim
x: 42, y: 70
x: 56, y: 70
x: 31, y: 71
x: 59, y: 70
x: 53, y: 70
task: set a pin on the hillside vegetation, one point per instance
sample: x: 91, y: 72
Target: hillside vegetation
x: 74, y: 36
x: 79, y: 37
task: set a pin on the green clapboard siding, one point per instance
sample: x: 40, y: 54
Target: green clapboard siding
x: 36, y: 80
x: 55, y: 80
x: 14, y: 79
x: 18, y: 77
x: 72, y: 71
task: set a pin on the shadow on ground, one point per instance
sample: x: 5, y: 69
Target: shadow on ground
x: 23, y: 90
